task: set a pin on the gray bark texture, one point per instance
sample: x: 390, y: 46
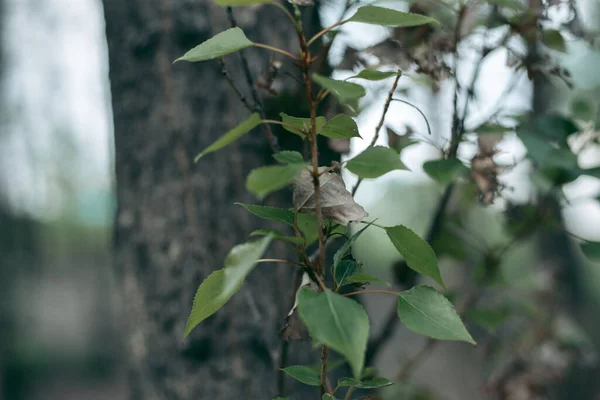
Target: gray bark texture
x: 176, y: 220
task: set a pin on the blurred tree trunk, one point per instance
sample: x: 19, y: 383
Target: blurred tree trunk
x: 176, y: 220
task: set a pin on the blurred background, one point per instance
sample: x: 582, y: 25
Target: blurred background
x: 73, y: 263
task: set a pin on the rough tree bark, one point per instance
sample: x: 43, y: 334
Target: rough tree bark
x: 176, y: 220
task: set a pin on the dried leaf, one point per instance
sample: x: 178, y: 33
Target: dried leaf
x: 336, y: 201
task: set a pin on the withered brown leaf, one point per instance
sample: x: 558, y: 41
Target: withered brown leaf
x: 336, y: 201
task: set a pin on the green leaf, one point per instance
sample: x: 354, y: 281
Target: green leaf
x: 264, y: 180
x: 340, y: 127
x: 277, y: 236
x: 363, y: 278
x: 418, y: 254
x: 344, y: 250
x: 327, y: 396
x: 302, y: 125
x: 338, y: 322
x: 303, y: 374
x: 344, y: 382
x: 344, y: 270
x: 491, y: 128
x: 554, y: 40
x: 388, y: 17
x: 232, y: 135
x: 374, y: 75
x: 444, y: 171
x: 583, y: 108
x: 591, y: 250
x: 374, y: 162
x: 374, y: 383
x: 306, y: 223
x: 289, y: 157
x: 344, y: 91
x: 594, y: 172
x: 423, y: 310
x: 226, y: 42
x: 221, y: 285
x: 239, y: 3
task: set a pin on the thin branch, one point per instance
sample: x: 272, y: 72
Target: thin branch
x: 325, y: 30
x: 276, y: 50
x: 381, y: 121
x: 232, y: 83
x: 258, y: 105
x: 420, y: 112
x: 324, y: 356
x: 277, y: 260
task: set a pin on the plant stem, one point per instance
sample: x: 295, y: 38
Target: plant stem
x: 381, y: 121
x: 277, y: 260
x: 277, y: 50
x: 258, y: 105
x: 371, y: 291
x: 274, y: 121
x: 324, y: 355
x: 325, y: 30
x: 349, y: 393
x: 288, y: 14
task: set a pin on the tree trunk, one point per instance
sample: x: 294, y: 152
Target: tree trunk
x: 176, y: 220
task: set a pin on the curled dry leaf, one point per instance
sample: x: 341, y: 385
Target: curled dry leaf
x: 484, y: 169
x: 336, y: 201
x: 294, y: 328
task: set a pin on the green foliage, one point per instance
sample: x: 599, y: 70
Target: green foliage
x: 374, y: 75
x: 241, y: 129
x: 238, y: 3
x: 418, y: 254
x: 591, y: 250
x: 340, y: 127
x: 306, y: 223
x: 374, y: 383
x: 221, y: 285
x: 388, y: 17
x: 445, y: 171
x: 226, y: 42
x: 338, y: 322
x: 360, y: 278
x: 303, y: 374
x: 327, y: 396
x: 375, y: 162
x: 344, y: 91
x: 302, y: 125
x: 289, y: 157
x: 423, y: 310
x: 554, y: 40
x: 265, y: 180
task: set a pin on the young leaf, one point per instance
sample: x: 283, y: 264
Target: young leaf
x: 277, y: 236
x: 423, y: 310
x: 374, y: 383
x: 239, y: 3
x: 363, y: 278
x: 444, y: 171
x: 306, y: 223
x: 344, y: 269
x: 591, y: 250
x: 303, y: 374
x: 221, y: 285
x: 264, y: 180
x: 554, y: 40
x: 229, y: 41
x: 344, y: 91
x: 340, y: 127
x: 418, y: 254
x: 336, y: 321
x: 341, y: 253
x: 374, y: 75
x: 301, y: 124
x: 234, y: 134
x: 374, y: 162
x: 388, y: 17
x: 289, y: 157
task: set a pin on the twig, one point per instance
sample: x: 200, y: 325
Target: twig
x: 386, y: 107
x: 232, y: 83
x: 324, y: 355
x: 277, y: 50
x: 420, y: 112
x: 258, y: 105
